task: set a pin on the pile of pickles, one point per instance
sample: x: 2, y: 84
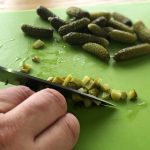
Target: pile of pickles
x: 93, y: 87
x: 95, y: 31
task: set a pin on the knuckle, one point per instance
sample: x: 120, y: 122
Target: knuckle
x: 58, y: 99
x: 72, y: 127
x: 25, y: 91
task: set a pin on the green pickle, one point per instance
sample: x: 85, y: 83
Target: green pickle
x: 97, y: 50
x: 97, y: 30
x: 95, y: 15
x: 142, y: 31
x: 118, y: 25
x: 121, y: 18
x: 132, y: 52
x: 100, y: 21
x: 56, y: 22
x: 77, y: 12
x: 76, y: 38
x: 73, y: 26
x: 122, y: 36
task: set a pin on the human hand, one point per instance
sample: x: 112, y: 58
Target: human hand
x: 35, y: 121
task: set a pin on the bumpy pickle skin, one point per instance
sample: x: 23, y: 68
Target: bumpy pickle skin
x: 56, y: 22
x: 122, y: 36
x: 97, y: 50
x: 142, y: 31
x: 73, y: 26
x: 121, y: 18
x: 37, y: 32
x: 100, y: 21
x: 132, y: 52
x: 95, y: 15
x: 77, y: 12
x: 118, y: 25
x: 44, y: 13
x: 76, y: 38
x: 97, y: 30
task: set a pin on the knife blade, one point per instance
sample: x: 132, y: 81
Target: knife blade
x: 17, y: 78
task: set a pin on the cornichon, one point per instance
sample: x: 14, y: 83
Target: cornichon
x: 44, y: 13
x: 56, y: 22
x: 37, y: 31
x: 76, y: 38
x: 73, y: 26
x: 97, y: 50
x: 121, y: 18
x: 133, y: 51
x: 95, y: 15
x: 101, y: 21
x: 122, y: 36
x: 118, y: 25
x: 142, y: 31
x: 97, y: 30
x: 77, y: 12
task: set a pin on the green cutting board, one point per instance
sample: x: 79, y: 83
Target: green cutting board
x: 128, y: 127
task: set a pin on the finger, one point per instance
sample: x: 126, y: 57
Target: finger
x: 11, y: 97
x: 39, y: 111
x: 62, y: 135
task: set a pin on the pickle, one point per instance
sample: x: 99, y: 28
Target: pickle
x: 76, y: 12
x: 38, y: 44
x: 105, y: 87
x: 26, y: 68
x: 105, y: 96
x: 93, y: 91
x: 133, y: 51
x: 36, y: 59
x: 142, y: 31
x: 57, y: 80
x: 108, y: 29
x: 121, y: 18
x: 76, y: 38
x: 132, y: 95
x: 44, y: 13
x: 118, y: 25
x: 95, y: 15
x: 37, y: 31
x: 122, y: 36
x: 97, y: 30
x: 56, y: 22
x: 97, y: 50
x: 73, y: 26
x: 115, y: 95
x: 101, y: 21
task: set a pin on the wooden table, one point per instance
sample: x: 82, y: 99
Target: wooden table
x: 31, y: 4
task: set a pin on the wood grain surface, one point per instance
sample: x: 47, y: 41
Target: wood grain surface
x: 31, y: 4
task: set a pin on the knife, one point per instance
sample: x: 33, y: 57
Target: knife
x: 17, y: 78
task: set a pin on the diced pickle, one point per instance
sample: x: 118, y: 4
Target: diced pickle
x: 93, y: 91
x: 38, y: 44
x: 36, y: 59
x: 26, y: 68
x: 132, y: 95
